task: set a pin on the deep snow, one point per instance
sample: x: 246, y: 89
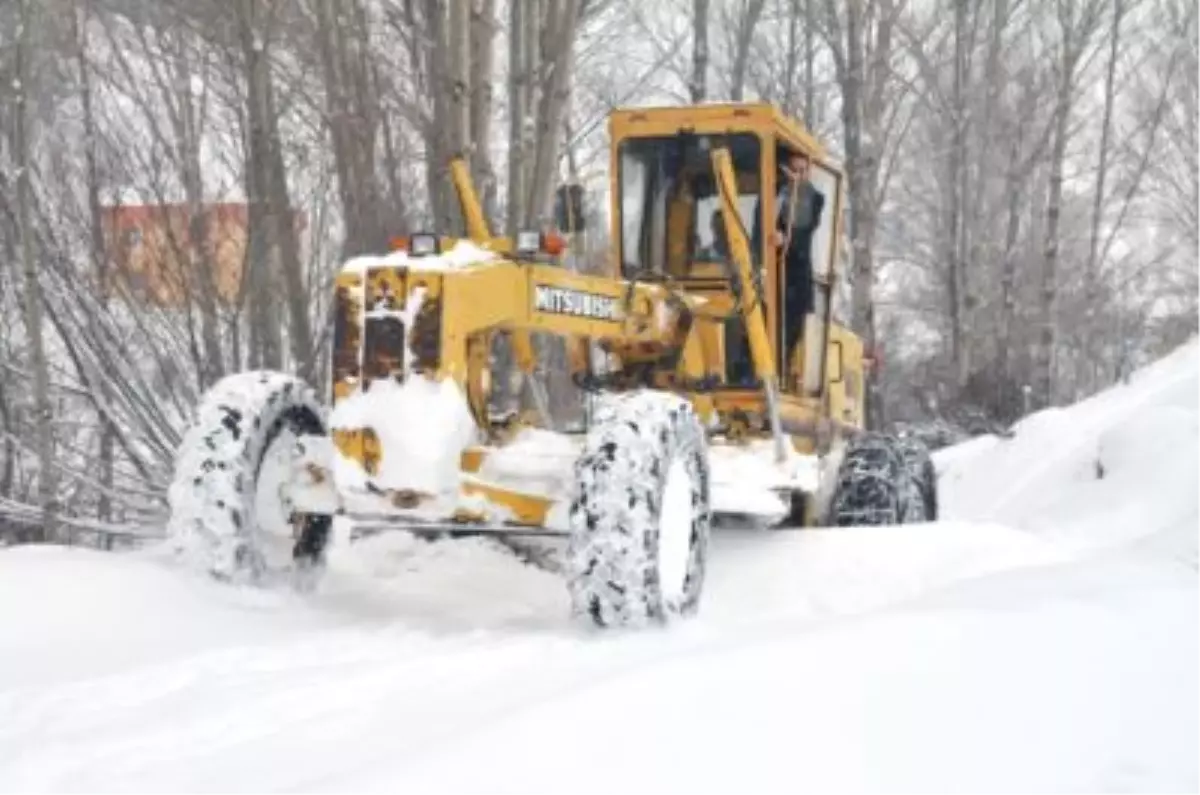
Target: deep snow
x: 1043, y: 637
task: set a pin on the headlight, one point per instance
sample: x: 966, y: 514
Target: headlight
x: 528, y: 242
x: 423, y: 245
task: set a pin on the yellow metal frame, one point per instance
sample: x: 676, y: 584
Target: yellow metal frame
x: 772, y: 128
x: 675, y: 327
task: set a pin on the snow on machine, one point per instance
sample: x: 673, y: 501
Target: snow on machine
x: 714, y: 390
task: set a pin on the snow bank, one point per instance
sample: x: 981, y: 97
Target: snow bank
x: 1119, y: 467
x: 960, y: 656
x: 1063, y: 679
x: 67, y: 613
x: 820, y: 574
x: 965, y: 694
x: 470, y: 585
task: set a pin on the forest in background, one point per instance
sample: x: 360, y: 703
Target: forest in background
x: 1022, y: 174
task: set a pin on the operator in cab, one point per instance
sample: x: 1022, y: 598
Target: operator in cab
x: 718, y: 249
x: 800, y: 206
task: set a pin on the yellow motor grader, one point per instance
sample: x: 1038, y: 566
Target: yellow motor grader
x: 707, y: 397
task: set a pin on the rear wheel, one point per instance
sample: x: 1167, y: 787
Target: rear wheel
x: 229, y: 497
x: 872, y: 486
x: 921, y: 504
x: 640, y: 514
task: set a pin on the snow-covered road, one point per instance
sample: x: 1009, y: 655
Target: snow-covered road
x: 1040, y: 676
x: 1042, y: 638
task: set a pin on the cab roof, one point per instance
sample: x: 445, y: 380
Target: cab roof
x: 716, y: 118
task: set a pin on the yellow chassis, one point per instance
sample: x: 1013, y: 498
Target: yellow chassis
x: 676, y: 334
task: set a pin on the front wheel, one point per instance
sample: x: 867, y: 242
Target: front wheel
x: 640, y: 515
x: 229, y: 497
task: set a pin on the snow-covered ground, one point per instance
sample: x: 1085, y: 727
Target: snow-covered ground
x: 1042, y: 637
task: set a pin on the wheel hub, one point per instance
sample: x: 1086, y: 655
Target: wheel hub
x: 675, y: 532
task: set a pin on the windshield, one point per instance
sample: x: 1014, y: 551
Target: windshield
x: 666, y: 184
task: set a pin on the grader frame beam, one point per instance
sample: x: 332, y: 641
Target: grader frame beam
x: 661, y: 331
x: 641, y: 322
x: 762, y: 352
x: 649, y: 323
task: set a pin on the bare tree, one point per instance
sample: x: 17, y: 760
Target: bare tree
x: 559, y: 27
x: 742, y: 23
x: 27, y: 42
x: 1077, y: 22
x: 518, y: 92
x: 482, y: 47
x: 353, y: 117
x: 860, y: 35
x: 458, y: 77
x: 698, y: 86
x: 80, y: 17
x: 275, y: 249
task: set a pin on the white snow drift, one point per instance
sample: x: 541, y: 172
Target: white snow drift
x: 1043, y: 637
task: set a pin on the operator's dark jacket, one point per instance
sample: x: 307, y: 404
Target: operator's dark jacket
x: 797, y: 260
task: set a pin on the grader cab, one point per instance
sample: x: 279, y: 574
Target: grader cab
x: 696, y: 197
x: 715, y: 390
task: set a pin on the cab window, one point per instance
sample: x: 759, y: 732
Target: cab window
x: 668, y: 200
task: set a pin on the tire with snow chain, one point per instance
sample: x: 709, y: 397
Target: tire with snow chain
x: 227, y: 498
x: 640, y: 514
x: 922, y: 501
x: 873, y: 485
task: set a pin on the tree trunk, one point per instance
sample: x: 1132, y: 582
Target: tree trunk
x: 861, y: 175
x: 439, y: 137
x: 483, y: 36
x: 751, y: 12
x: 699, y: 83
x: 789, y: 77
x: 1044, y: 386
x: 810, y: 54
x: 79, y: 19
x: 558, y: 41
x: 10, y: 449
x: 987, y: 162
x: 201, y: 256
x: 1008, y: 304
x: 1091, y: 273
x: 397, y: 221
x: 352, y: 103
x: 285, y: 221
x: 281, y: 219
x: 168, y: 61
x: 956, y: 223
x: 362, y: 73
x: 867, y: 95
x: 273, y: 219
x: 1077, y: 22
x: 458, y: 77
x: 533, y: 17
x: 518, y: 82
x: 264, y: 262
x: 32, y: 291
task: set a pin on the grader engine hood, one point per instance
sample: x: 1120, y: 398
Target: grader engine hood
x: 399, y: 422
x: 411, y: 372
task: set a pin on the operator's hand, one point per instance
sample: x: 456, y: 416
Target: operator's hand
x: 777, y: 239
